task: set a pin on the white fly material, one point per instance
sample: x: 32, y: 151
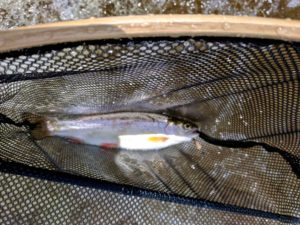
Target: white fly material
x: 150, y: 141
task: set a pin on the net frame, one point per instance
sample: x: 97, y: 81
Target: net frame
x: 50, y: 38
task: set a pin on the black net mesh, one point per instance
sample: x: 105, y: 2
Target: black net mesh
x: 243, y: 94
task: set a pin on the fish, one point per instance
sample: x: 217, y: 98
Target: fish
x: 124, y: 130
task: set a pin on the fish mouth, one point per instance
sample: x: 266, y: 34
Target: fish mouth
x: 193, y: 133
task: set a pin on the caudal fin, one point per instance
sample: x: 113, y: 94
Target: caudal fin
x: 38, y: 125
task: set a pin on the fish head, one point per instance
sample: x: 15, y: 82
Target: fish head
x: 182, y: 128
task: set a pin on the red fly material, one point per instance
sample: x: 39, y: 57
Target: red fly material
x: 109, y: 146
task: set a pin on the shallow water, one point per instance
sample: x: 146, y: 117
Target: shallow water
x: 14, y: 13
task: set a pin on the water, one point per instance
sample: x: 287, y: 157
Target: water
x: 14, y: 13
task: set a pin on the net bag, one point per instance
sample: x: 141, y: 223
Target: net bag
x: 242, y: 93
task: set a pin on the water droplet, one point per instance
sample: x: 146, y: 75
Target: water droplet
x: 217, y: 120
x: 245, y: 123
x: 225, y: 175
x: 226, y: 26
x: 186, y: 43
x: 73, y: 53
x: 79, y: 48
x: 193, y: 167
x: 282, y: 31
x: 212, y: 192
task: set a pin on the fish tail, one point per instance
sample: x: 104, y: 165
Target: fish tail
x: 37, y: 125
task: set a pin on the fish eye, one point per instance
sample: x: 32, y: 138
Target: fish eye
x: 187, y: 126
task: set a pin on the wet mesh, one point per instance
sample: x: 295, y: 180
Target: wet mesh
x: 243, y: 95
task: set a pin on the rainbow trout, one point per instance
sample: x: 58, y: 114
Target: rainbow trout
x: 131, y: 131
